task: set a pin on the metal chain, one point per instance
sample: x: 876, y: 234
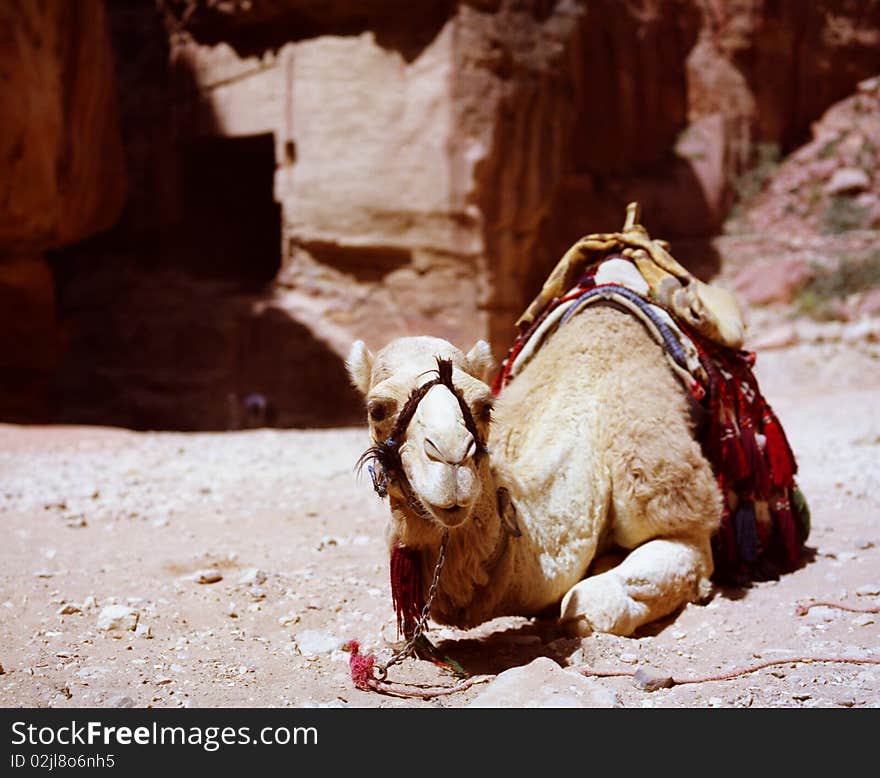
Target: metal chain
x: 381, y: 671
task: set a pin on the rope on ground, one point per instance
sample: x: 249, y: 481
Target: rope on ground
x: 804, y: 608
x: 417, y: 691
x: 362, y: 668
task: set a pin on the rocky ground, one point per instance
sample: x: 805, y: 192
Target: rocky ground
x: 165, y: 569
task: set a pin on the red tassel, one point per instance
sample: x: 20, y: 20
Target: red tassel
x: 757, y: 472
x: 788, y: 530
x: 733, y: 458
x: 782, y: 463
x: 727, y: 539
x: 361, y: 666
x: 407, y: 594
x: 764, y: 523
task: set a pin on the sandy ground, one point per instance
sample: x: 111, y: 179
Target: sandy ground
x: 244, y: 560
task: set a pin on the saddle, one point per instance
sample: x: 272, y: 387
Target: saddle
x: 766, y: 519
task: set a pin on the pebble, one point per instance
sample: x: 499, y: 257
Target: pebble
x: 312, y: 642
x: 544, y: 684
x: 117, y: 618
x: 253, y: 576
x: 649, y: 679
x: 120, y: 701
x: 209, y: 576
x: 847, y: 179
x: 69, y: 608
x: 868, y: 590
x: 326, y: 542
x: 144, y: 631
x: 629, y: 658
x: 863, y: 544
x: 288, y: 619
x: 2, y: 671
x: 863, y: 620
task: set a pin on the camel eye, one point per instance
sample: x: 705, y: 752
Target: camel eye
x: 379, y: 410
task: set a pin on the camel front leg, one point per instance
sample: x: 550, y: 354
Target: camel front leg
x: 654, y: 580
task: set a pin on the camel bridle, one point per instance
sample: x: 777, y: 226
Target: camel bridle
x: 386, y: 455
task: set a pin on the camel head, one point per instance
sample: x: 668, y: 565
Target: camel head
x: 428, y: 409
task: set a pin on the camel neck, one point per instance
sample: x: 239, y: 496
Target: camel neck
x: 478, y: 561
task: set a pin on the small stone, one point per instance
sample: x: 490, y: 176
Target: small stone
x: 863, y: 544
x: 288, y: 619
x: 253, y: 576
x: 848, y: 179
x: 868, y: 590
x: 144, y: 631
x: 69, y: 608
x: 2, y: 671
x: 209, y: 576
x: 801, y: 696
x: 629, y: 658
x: 118, y: 618
x: 163, y: 681
x: 312, y: 642
x: 649, y: 679
x: 544, y: 684
x: 863, y: 621
x: 43, y: 574
x: 120, y: 701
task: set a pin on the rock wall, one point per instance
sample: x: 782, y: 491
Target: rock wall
x: 61, y: 176
x: 306, y: 173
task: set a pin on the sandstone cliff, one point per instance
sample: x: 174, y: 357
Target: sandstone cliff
x: 305, y: 173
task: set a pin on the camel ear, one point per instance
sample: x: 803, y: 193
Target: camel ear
x: 480, y: 361
x: 360, y: 366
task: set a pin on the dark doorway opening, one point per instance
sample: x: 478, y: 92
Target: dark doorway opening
x: 231, y: 228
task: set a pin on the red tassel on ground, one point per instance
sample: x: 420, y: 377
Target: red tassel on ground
x: 406, y: 588
x: 361, y: 666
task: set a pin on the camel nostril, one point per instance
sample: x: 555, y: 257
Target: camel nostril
x: 433, y: 451
x: 436, y: 454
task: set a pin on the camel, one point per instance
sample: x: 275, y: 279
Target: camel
x: 526, y: 495
x: 593, y: 449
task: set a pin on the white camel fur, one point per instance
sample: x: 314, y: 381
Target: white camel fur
x: 595, y: 443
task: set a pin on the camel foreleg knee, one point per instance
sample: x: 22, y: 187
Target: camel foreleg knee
x: 653, y: 581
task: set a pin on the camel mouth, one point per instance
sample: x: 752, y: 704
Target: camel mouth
x: 451, y: 516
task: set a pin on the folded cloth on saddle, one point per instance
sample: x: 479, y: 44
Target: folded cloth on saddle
x: 711, y: 311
